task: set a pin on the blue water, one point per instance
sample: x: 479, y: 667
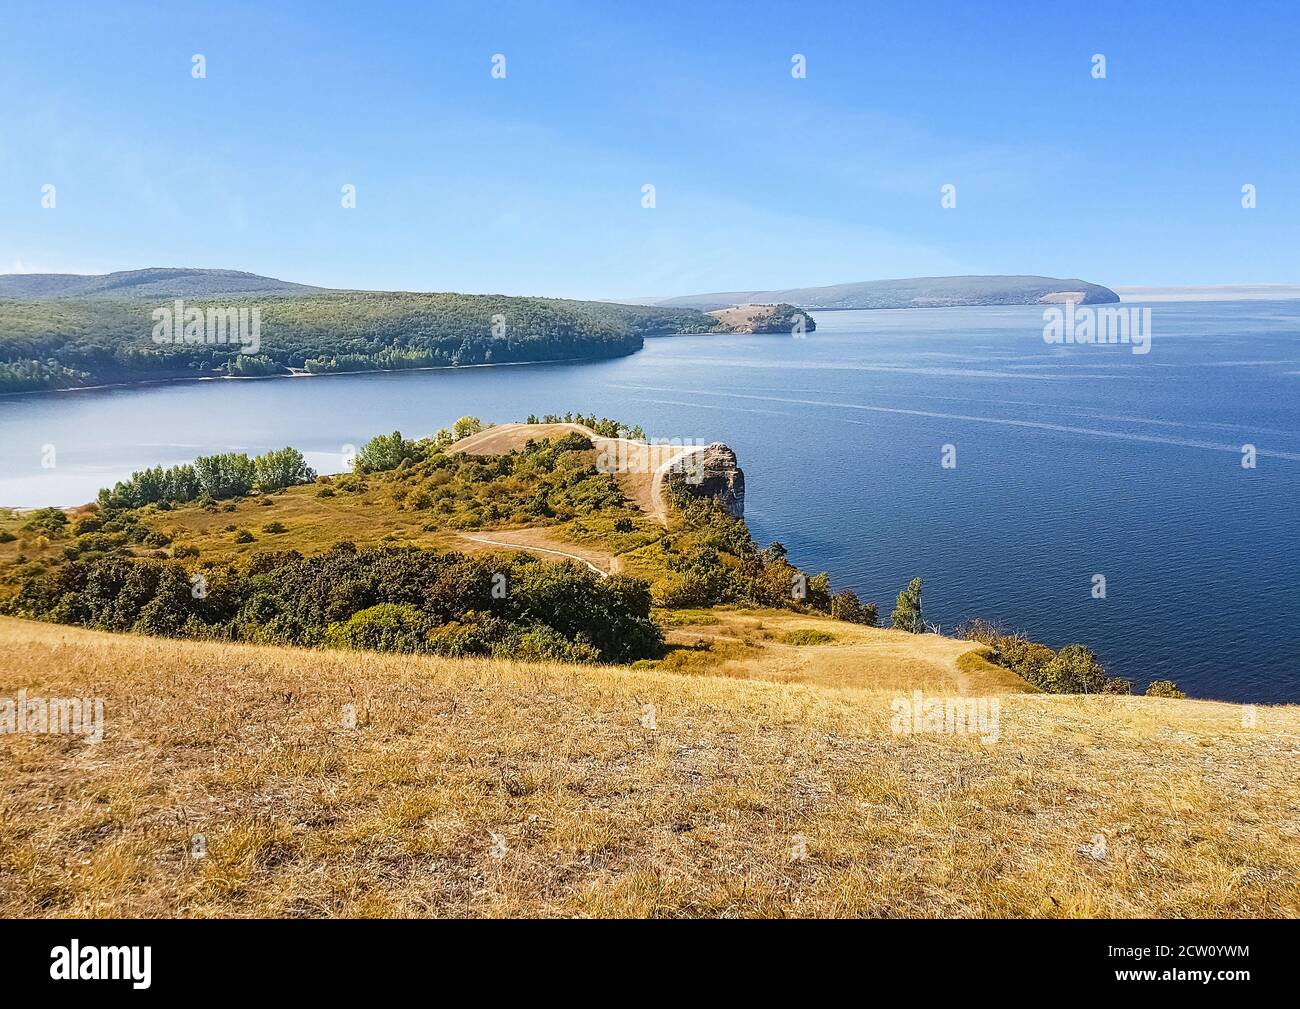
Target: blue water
x: 1072, y: 461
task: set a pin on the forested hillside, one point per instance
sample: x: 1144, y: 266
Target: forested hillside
x: 63, y: 343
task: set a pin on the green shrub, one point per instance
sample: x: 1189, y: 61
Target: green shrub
x: 690, y: 589
x: 283, y: 597
x: 846, y: 606
x: 1027, y: 659
x: 1074, y: 670
x: 95, y: 543
x: 807, y: 636
x: 386, y: 627
x: 465, y: 427
x: 51, y: 522
x: 1164, y: 688
x: 90, y: 524
x: 543, y: 644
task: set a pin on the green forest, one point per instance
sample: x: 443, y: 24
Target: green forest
x: 57, y: 344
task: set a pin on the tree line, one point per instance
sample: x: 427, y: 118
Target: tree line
x: 400, y: 599
x: 225, y: 475
x: 68, y: 343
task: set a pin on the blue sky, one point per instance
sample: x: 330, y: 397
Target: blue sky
x: 532, y: 184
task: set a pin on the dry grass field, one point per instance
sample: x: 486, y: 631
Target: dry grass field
x: 743, y: 318
x: 764, y: 781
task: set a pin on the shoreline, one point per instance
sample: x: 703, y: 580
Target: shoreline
x: 300, y: 373
x: 297, y: 373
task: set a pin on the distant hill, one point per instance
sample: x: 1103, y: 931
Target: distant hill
x: 155, y: 282
x: 65, y: 331
x: 917, y: 292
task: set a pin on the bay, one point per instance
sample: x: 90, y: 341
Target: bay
x: 1071, y: 462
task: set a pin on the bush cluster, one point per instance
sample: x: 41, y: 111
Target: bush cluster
x: 1072, y: 670
x: 392, y: 599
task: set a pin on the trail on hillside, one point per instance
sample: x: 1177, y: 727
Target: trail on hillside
x: 533, y: 548
x: 639, y: 467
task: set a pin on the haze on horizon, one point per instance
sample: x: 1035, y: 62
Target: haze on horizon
x: 533, y: 184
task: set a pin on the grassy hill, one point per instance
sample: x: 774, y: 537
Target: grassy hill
x: 404, y: 553
x: 668, y: 731
x: 489, y: 788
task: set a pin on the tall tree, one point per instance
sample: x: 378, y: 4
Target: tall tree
x: 907, y: 610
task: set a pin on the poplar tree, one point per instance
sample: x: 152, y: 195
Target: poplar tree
x: 907, y: 611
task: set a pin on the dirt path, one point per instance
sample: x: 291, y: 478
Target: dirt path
x: 638, y: 467
x: 530, y: 541
x: 658, y: 499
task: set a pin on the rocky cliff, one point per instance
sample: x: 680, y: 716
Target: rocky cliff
x: 711, y: 472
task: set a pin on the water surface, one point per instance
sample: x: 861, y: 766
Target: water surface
x: 1071, y: 462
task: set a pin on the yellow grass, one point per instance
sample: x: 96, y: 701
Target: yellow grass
x: 743, y: 318
x: 759, y: 645
x: 592, y: 811
x: 312, y: 524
